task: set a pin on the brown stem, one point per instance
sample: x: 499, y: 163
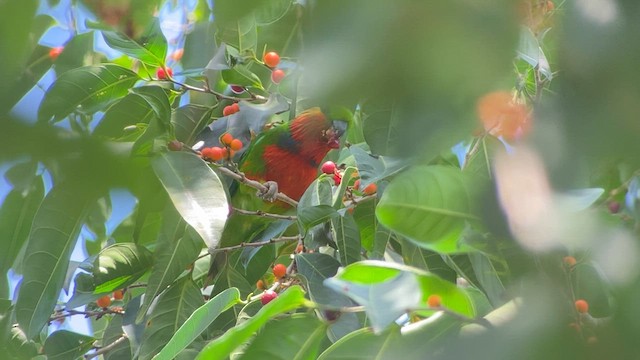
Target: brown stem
x: 107, y: 348
x: 256, y: 244
x: 255, y: 184
x: 264, y: 214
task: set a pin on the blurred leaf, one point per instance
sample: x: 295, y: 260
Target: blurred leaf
x: 151, y: 48
x: 112, y: 333
x: 430, y: 205
x: 171, y: 311
x: 241, y: 75
x: 196, y: 192
x: 90, y: 87
x: 347, y: 237
x: 271, y: 11
x: 295, y: 337
x: 75, y: 53
x: 189, y: 121
x: 380, y: 130
x: 6, y: 312
x: 240, y: 33
x: 16, y: 215
x: 171, y: 258
x: 120, y: 265
x: 589, y: 285
x: 529, y: 50
x: 54, y: 232
x: 374, y: 168
x: 290, y: 299
x: 198, y: 322
x: 20, y: 346
x: 64, y: 344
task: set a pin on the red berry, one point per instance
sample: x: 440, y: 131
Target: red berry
x: 267, y: 296
x: 356, y: 185
x: 104, y: 301
x: 228, y: 110
x: 614, y: 207
x: 569, y: 261
x: 434, y: 300
x: 277, y: 76
x: 213, y: 153
x: 582, y: 306
x: 271, y: 59
x: 370, y: 189
x: 235, y: 107
x: 237, y: 89
x: 337, y: 178
x: 55, y: 52
x: 329, y: 167
x: 162, y: 74
x: 260, y: 285
x: 177, y: 55
x: 118, y: 295
x: 235, y: 145
x: 226, y: 139
x: 174, y: 145
x: 279, y: 270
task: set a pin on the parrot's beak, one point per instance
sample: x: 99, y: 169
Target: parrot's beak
x: 334, y: 133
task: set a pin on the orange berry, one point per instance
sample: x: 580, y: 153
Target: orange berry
x: 434, y: 300
x: 104, y: 301
x: 226, y: 139
x: 260, y: 285
x: 228, y: 110
x: 177, y: 55
x: 582, y: 306
x: 356, y: 185
x: 299, y: 249
x: 161, y: 74
x: 235, y: 107
x: 279, y: 270
x: 370, y: 189
x: 118, y: 295
x: 235, y: 145
x: 213, y: 153
x: 277, y: 76
x: 569, y: 261
x: 501, y: 116
x: 226, y: 153
x: 55, y: 52
x: 271, y: 59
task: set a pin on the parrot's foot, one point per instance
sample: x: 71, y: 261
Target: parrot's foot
x: 271, y: 193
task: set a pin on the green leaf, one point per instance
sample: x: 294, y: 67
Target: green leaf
x: 374, y: 168
x: 296, y: 337
x: 314, y: 215
x: 120, y: 265
x: 112, y: 333
x: 530, y: 51
x: 172, y: 257
x: 430, y: 205
x: 64, y: 344
x: 198, y: 322
x: 347, y: 237
x: 241, y: 75
x: 151, y: 48
x: 380, y: 130
x: 16, y: 215
x: 21, y: 347
x: 173, y: 309
x: 75, y: 52
x: 318, y: 193
x: 196, y: 192
x: 388, y: 290
x: 90, y: 87
x: 54, y: 232
x: 290, y: 299
x: 189, y: 121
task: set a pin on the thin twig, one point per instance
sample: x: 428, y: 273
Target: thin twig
x: 264, y: 214
x: 97, y: 314
x: 218, y: 95
x: 107, y: 348
x: 256, y: 185
x: 355, y: 201
x: 256, y: 244
x: 479, y: 321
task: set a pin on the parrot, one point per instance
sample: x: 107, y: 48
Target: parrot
x: 286, y: 159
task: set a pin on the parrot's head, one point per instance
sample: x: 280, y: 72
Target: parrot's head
x: 339, y: 118
x: 317, y: 132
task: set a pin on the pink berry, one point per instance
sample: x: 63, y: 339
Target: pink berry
x: 329, y: 167
x: 237, y: 89
x: 614, y: 207
x: 337, y: 179
x: 267, y: 296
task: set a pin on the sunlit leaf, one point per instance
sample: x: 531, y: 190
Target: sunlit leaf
x: 120, y: 265
x: 64, y: 344
x: 151, y: 48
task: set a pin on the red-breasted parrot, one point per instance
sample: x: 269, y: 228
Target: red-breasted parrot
x: 288, y: 155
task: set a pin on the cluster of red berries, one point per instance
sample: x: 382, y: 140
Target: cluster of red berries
x: 279, y: 271
x: 164, y: 73
x: 272, y: 59
x: 217, y: 153
x: 230, y: 109
x: 105, y: 301
x: 330, y: 168
x: 55, y: 52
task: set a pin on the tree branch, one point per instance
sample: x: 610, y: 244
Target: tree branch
x: 255, y: 184
x: 107, y: 348
x: 218, y: 95
x: 265, y: 214
x: 97, y: 314
x: 257, y: 244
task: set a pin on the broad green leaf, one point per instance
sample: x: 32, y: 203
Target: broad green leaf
x: 241, y: 75
x: 6, y: 313
x: 430, y: 205
x: 119, y: 265
x: 198, y: 322
x: 16, y: 215
x: 296, y: 337
x: 133, y: 109
x: 489, y: 277
x: 240, y: 33
x: 374, y: 168
x: 196, y: 192
x: 75, y: 52
x: 318, y: 193
x: 380, y: 130
x: 315, y: 268
x: 112, y: 333
x: 388, y: 290
x: 171, y: 258
x: 91, y: 88
x: 189, y: 121
x: 290, y: 299
x: 20, y: 346
x: 338, y: 195
x: 54, y: 232
x: 347, y: 237
x: 271, y: 11
x: 151, y: 48
x: 63, y: 345
x: 314, y: 215
x: 174, y: 307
